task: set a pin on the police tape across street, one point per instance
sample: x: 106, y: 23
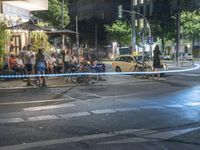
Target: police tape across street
x: 196, y: 66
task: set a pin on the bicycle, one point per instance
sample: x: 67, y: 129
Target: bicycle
x: 142, y: 66
x: 72, y: 78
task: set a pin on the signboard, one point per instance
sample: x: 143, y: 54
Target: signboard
x: 150, y: 40
x: 11, y: 11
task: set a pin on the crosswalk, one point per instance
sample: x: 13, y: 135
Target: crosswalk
x: 88, y: 113
x: 123, y: 137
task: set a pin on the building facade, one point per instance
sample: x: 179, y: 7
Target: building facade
x: 16, y: 12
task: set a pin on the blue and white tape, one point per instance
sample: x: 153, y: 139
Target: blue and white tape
x: 197, y: 66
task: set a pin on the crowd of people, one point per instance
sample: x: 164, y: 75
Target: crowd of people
x: 29, y: 62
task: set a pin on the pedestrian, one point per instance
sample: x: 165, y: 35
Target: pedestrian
x: 20, y: 65
x: 41, y: 65
x: 12, y: 62
x: 156, y: 59
x: 52, y: 64
x: 28, y: 62
x: 66, y: 61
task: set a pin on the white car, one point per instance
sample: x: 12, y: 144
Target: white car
x: 188, y: 57
x: 124, y: 63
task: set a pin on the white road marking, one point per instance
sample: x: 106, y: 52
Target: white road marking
x: 170, y: 134
x: 175, y: 106
x: 193, y: 104
x: 40, y: 118
x: 152, y: 107
x: 128, y: 140
x: 11, y: 120
x: 55, y: 142
x: 78, y: 114
x: 103, y: 111
x: 33, y: 102
x: 48, y: 107
x: 126, y: 109
x: 187, y: 74
x: 151, y: 135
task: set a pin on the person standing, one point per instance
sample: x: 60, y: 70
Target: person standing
x: 41, y: 65
x: 28, y: 64
x: 66, y: 61
x: 156, y: 59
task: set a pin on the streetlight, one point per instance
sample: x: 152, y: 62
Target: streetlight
x: 146, y: 20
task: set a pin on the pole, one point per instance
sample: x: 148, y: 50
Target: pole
x: 133, y: 13
x: 96, y: 38
x: 133, y: 26
x: 177, y: 32
x: 77, y: 37
x: 63, y: 36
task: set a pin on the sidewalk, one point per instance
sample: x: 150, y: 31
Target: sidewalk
x: 60, y: 81
x: 19, y: 83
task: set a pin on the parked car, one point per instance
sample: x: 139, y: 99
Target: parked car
x: 187, y: 57
x: 124, y: 63
x: 166, y: 57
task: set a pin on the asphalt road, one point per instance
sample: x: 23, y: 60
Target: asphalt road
x: 121, y: 113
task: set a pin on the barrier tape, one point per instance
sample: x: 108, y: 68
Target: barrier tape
x: 197, y: 66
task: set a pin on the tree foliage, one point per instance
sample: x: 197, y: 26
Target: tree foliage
x: 54, y: 14
x: 39, y: 40
x: 190, y: 24
x: 119, y: 31
x: 3, y: 37
x: 162, y: 21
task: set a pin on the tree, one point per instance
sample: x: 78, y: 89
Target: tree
x: 54, y: 14
x: 40, y: 39
x: 190, y: 24
x: 162, y: 21
x: 119, y: 31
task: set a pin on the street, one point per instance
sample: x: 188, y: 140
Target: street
x: 121, y: 113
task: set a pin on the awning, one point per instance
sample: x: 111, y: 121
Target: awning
x: 24, y: 5
x: 26, y: 26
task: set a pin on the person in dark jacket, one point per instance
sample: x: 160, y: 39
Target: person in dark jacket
x: 156, y: 59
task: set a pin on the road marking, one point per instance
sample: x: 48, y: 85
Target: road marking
x: 40, y: 118
x: 33, y: 102
x: 187, y: 74
x: 152, y: 107
x: 48, y: 107
x: 146, y: 138
x: 128, y: 140
x: 78, y: 114
x: 174, y: 106
x: 103, y: 111
x: 56, y: 142
x: 11, y: 120
x: 170, y: 134
x: 152, y: 136
x: 193, y: 104
x: 126, y: 109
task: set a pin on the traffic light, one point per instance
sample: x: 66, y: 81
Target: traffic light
x: 120, y: 11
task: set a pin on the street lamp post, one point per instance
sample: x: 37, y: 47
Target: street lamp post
x: 77, y: 38
x: 177, y: 31
x: 63, y: 36
x: 147, y: 22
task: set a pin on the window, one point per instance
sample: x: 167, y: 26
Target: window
x: 117, y: 59
x: 123, y: 59
x: 129, y: 59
